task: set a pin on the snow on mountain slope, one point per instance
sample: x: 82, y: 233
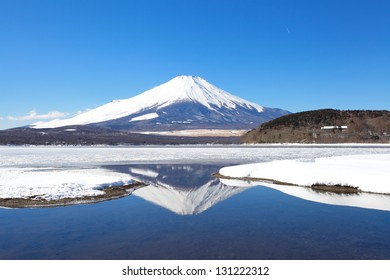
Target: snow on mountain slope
x: 148, y: 105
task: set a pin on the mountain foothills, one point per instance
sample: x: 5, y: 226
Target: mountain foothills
x: 324, y: 126
x: 184, y: 110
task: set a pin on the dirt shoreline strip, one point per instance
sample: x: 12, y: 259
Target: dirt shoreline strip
x: 340, y: 189
x: 109, y: 194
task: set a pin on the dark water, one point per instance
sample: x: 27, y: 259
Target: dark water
x: 199, y: 218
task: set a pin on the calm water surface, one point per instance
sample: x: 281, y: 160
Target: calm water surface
x: 185, y: 213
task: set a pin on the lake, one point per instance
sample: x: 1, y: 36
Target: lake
x: 183, y: 212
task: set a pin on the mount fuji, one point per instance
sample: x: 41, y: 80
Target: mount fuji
x: 183, y: 103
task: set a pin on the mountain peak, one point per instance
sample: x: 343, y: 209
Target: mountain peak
x: 198, y: 90
x: 189, y: 80
x: 186, y: 77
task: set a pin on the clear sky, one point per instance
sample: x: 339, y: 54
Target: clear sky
x: 61, y: 57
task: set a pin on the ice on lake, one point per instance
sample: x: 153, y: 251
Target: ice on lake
x: 55, y: 172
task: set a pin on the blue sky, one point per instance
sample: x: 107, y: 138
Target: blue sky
x: 58, y: 58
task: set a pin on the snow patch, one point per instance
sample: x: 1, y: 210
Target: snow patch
x: 53, y: 184
x: 369, y: 173
x: 144, y: 172
x: 145, y: 117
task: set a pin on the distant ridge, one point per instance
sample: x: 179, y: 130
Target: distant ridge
x: 324, y: 126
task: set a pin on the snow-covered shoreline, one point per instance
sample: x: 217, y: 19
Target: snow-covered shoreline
x: 360, y: 200
x: 55, y: 184
x: 369, y: 173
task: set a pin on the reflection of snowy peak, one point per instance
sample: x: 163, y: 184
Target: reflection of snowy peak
x: 183, y: 189
x: 183, y: 102
x: 187, y: 201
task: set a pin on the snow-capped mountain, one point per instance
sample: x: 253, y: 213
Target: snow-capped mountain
x: 185, y: 102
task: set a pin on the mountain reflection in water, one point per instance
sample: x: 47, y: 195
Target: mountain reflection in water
x: 181, y: 188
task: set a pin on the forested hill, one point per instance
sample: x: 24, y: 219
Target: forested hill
x: 325, y: 126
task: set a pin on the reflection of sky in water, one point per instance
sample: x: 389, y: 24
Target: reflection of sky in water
x: 255, y: 223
